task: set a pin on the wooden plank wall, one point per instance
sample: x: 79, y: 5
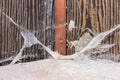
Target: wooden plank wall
x: 31, y: 15
x: 99, y: 15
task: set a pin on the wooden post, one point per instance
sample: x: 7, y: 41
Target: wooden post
x: 60, y: 29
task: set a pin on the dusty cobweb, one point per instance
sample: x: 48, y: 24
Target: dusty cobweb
x: 85, y: 43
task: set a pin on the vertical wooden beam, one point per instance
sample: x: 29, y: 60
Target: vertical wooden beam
x: 60, y: 30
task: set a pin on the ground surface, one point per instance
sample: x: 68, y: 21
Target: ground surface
x: 50, y: 69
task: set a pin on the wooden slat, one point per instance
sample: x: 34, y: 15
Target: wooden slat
x: 60, y: 29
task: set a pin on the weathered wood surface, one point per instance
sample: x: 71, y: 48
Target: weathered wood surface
x: 31, y: 15
x: 99, y: 15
